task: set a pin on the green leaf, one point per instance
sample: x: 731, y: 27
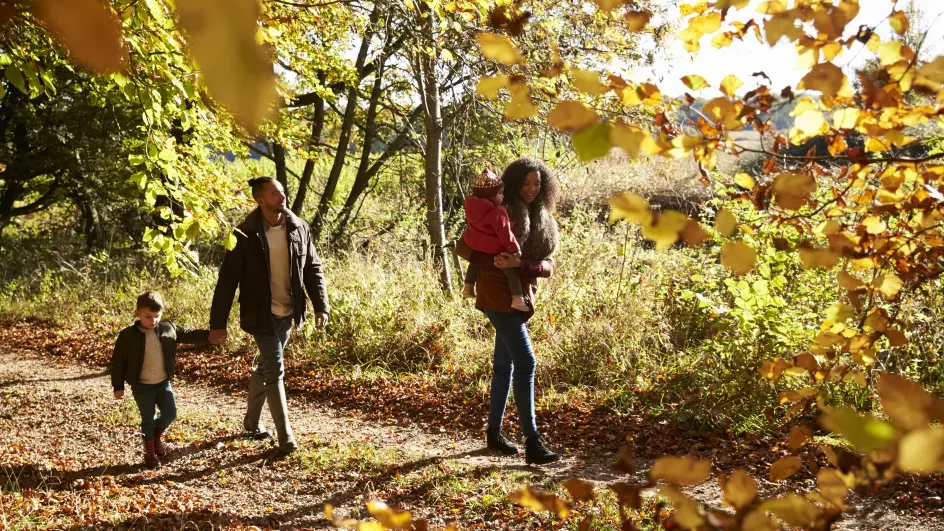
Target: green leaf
x: 167, y: 154
x: 193, y: 230
x: 16, y: 77
x: 593, y: 142
x: 136, y: 159
x: 140, y: 179
x: 155, y: 9
x: 230, y: 241
x: 865, y: 433
x: 48, y: 81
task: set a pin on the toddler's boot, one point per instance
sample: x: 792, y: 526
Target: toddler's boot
x: 468, y: 291
x: 519, y: 304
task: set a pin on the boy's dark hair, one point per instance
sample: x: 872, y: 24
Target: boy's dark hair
x: 258, y: 182
x: 151, y: 300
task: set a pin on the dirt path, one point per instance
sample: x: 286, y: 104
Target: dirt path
x: 62, y: 423
x: 70, y: 455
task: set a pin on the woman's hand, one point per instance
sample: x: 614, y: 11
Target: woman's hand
x: 506, y: 260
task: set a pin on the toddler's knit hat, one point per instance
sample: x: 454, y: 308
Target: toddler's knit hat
x: 487, y: 184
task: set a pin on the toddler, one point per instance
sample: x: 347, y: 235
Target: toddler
x: 489, y: 231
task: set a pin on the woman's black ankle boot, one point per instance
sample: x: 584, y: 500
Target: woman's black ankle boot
x: 496, y: 440
x: 536, y: 453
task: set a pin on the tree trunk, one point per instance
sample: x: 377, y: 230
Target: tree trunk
x: 362, y: 179
x: 344, y: 138
x: 429, y: 92
x: 317, y: 126
x: 91, y: 222
x: 281, y: 175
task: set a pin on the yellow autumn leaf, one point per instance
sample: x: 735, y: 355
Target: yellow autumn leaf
x: 818, y: 258
x: 824, y: 77
x: 630, y: 207
x: 738, y: 256
x: 665, y: 229
x: 538, y: 501
x: 931, y: 75
x: 874, y: 225
x: 792, y: 509
x: 722, y: 40
x: 839, y: 312
x: 739, y: 489
x: 580, y: 490
x: 730, y: 84
x: 390, y: 518
x: 649, y: 94
x: 498, y: 48
x: 899, y: 22
x: 571, y: 116
x: 684, y: 470
x: 810, y: 123
x: 243, y: 82
x: 799, y: 436
x: 631, y: 139
x: 636, y: 20
x: 695, y: 82
x: 785, y: 467
x: 888, y: 284
x: 907, y: 404
x: 488, y: 86
x: 846, y: 118
x: 686, y: 514
x: 588, y: 82
x: 88, y: 29
x: 892, y: 52
x: 744, y: 181
x: 793, y: 190
x: 708, y: 23
x: 848, y: 282
x: 725, y: 222
x: 922, y: 451
x: 520, y: 107
x: 832, y: 486
x: 608, y: 5
x: 693, y: 234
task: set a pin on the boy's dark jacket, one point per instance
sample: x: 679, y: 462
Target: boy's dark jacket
x: 128, y: 355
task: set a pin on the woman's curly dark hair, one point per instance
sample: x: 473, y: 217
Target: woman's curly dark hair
x: 514, y: 177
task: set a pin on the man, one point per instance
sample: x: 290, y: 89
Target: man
x: 273, y: 263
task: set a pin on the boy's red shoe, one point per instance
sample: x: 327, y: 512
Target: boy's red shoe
x: 160, y: 449
x: 150, y: 458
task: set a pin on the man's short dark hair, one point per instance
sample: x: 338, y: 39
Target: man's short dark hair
x: 151, y: 300
x: 258, y: 183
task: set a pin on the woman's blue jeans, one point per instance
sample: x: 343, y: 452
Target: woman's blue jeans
x: 513, y: 368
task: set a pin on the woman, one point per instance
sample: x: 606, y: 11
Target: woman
x: 530, y: 193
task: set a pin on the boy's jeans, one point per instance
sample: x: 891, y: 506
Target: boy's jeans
x: 147, y: 396
x: 266, y: 383
x: 513, y: 367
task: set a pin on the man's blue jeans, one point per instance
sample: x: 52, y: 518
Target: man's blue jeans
x: 266, y: 383
x: 513, y: 368
x: 153, y: 397
x: 271, y: 364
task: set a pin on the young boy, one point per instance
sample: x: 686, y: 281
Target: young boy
x: 145, y: 355
x: 490, y: 232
